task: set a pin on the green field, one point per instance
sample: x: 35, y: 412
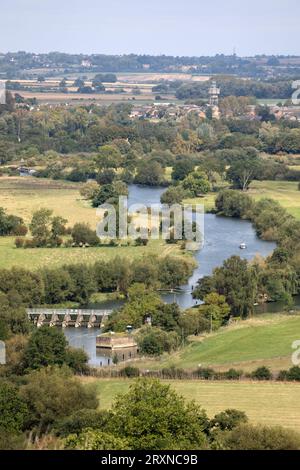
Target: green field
x: 272, y: 403
x: 22, y: 196
x: 265, y: 340
x: 35, y: 258
x: 285, y: 192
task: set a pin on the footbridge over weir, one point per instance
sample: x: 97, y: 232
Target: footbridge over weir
x: 68, y: 317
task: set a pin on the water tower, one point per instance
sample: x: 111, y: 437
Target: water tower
x: 214, y: 93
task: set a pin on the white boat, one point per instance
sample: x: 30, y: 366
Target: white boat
x: 243, y: 246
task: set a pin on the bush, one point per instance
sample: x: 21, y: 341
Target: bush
x: 82, y: 419
x: 205, y: 373
x: 262, y: 373
x: 130, y: 371
x: 173, y: 373
x: 83, y: 234
x: 229, y: 419
x: 292, y: 374
x: 77, y: 360
x: 19, y: 242
x: 30, y: 243
x: 233, y: 374
x: 20, y: 230
x: 154, y: 341
x: 249, y: 437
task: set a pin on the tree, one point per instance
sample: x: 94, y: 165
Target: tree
x: 108, y: 156
x: 152, y: 416
x: 182, y: 168
x: 215, y: 309
x: 233, y: 204
x: 46, y: 346
x: 173, y: 195
x: 153, y: 341
x: 229, y: 419
x: 52, y: 394
x: 244, y: 169
x: 236, y: 281
x: 40, y: 226
x: 58, y: 285
x: 142, y: 303
x: 150, y: 174
x: 196, y: 183
x: 13, y: 409
x: 83, y: 234
x: 89, y: 190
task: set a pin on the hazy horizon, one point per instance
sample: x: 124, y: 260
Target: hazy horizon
x: 190, y: 28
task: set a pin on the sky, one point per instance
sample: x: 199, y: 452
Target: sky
x: 171, y: 27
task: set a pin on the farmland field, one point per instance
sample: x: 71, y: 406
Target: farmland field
x: 22, y: 196
x: 270, y: 403
x: 285, y: 192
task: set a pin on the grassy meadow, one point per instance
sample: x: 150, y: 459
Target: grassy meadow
x: 22, y: 196
x: 269, y: 403
x: 263, y: 340
x: 285, y: 192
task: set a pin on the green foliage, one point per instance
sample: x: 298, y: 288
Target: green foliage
x: 52, y: 394
x: 141, y: 303
x: 215, y: 309
x: 13, y: 409
x: 173, y: 195
x: 150, y: 173
x: 77, y: 360
x: 236, y: 281
x: 82, y: 234
x: 153, y: 341
x: 96, y: 440
x: 10, y: 224
x: 82, y: 419
x: 151, y: 416
x: 262, y: 373
x: 233, y: 204
x: 250, y: 437
x: 46, y: 346
x: 130, y: 371
x: 47, y: 229
x: 229, y: 419
x: 196, y: 183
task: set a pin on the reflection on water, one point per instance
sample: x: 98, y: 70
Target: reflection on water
x: 223, y: 237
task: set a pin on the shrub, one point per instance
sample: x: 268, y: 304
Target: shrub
x: 30, y: 243
x: 229, y: 419
x: 249, y: 437
x: 82, y: 419
x: 233, y: 374
x: 262, y: 373
x: 83, y: 234
x: 20, y: 230
x: 19, y: 242
x: 205, y: 373
x: 173, y: 373
x: 130, y: 371
x: 293, y: 374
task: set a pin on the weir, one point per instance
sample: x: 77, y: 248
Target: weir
x: 68, y: 317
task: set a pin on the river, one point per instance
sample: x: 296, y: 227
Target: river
x: 222, y: 239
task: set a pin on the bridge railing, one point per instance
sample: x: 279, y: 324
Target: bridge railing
x: 63, y: 312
